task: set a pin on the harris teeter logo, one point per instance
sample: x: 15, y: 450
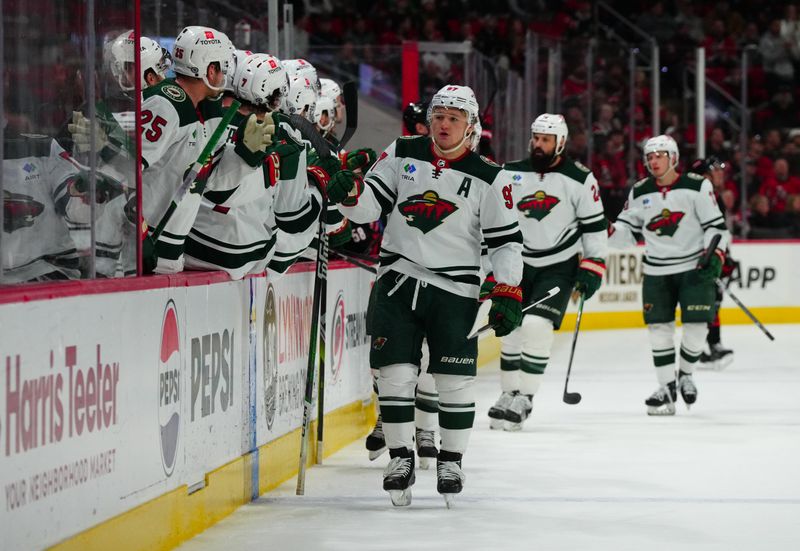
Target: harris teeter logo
x: 538, y: 205
x: 426, y: 211
x: 666, y: 223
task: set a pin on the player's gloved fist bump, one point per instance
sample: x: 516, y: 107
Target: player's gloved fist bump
x: 487, y: 286
x: 253, y: 138
x: 505, y: 314
x: 345, y: 187
x: 589, y: 276
x: 81, y: 130
x: 713, y: 268
x: 361, y: 159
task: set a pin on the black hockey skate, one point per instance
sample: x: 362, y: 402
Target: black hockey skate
x: 519, y: 410
x: 717, y: 358
x: 449, y: 476
x: 687, y: 388
x: 376, y: 443
x: 398, y: 477
x: 662, y: 401
x: 426, y: 448
x: 497, y: 413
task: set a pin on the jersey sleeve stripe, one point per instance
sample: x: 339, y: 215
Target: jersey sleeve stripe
x: 509, y: 227
x: 631, y: 225
x: 598, y: 226
x: 497, y: 242
x: 382, y: 187
x: 385, y: 203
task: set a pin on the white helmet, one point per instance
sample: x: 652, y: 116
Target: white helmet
x: 119, y: 53
x: 301, y: 96
x: 662, y: 143
x: 198, y: 47
x: 475, y: 139
x: 329, y: 89
x: 323, y: 104
x: 548, y: 123
x: 261, y: 80
x: 302, y: 68
x: 457, y: 97
x: 237, y: 60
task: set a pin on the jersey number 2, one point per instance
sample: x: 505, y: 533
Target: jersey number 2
x: 508, y: 197
x: 154, y: 132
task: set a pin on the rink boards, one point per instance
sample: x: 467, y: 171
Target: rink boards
x: 168, y: 402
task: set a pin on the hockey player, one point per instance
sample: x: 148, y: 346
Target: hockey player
x: 330, y: 89
x: 178, y: 117
x: 415, y: 119
x: 678, y: 217
x: 441, y: 200
x: 717, y: 356
x: 561, y: 216
x: 235, y: 230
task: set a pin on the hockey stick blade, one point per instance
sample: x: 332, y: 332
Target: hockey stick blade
x: 573, y: 398
x: 309, y: 132
x: 744, y: 308
x: 551, y: 293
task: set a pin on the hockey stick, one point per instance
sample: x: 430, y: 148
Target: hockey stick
x: 194, y: 170
x: 573, y: 398
x: 354, y: 260
x: 482, y: 329
x: 744, y: 308
x: 320, y: 286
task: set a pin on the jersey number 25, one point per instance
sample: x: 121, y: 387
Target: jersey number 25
x: 156, y: 123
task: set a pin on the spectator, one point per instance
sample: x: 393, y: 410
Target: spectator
x: 793, y: 215
x: 720, y: 46
x: 782, y: 112
x: 657, y: 24
x: 790, y: 31
x: 717, y: 146
x: 765, y: 224
x: 777, y: 188
x: 612, y: 176
x: 777, y: 57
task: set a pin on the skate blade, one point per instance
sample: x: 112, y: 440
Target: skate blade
x: 496, y: 424
x: 375, y: 454
x: 724, y: 362
x: 660, y: 411
x: 510, y: 426
x: 449, y: 500
x: 400, y: 498
x: 426, y: 462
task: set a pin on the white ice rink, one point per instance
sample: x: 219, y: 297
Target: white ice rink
x: 600, y: 475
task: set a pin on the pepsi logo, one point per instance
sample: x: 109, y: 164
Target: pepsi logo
x: 169, y: 388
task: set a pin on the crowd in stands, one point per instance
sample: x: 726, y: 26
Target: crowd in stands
x: 770, y: 32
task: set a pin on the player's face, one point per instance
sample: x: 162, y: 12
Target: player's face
x: 215, y: 76
x: 543, y: 145
x: 448, y: 127
x: 658, y: 162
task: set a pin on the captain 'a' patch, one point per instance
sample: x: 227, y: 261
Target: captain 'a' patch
x: 426, y: 211
x: 538, y: 204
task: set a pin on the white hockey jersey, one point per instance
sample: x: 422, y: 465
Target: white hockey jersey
x: 236, y: 230
x: 438, y: 213
x: 174, y: 133
x: 36, y: 241
x: 677, y: 222
x: 560, y: 212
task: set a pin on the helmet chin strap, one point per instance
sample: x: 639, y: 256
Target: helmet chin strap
x: 453, y: 149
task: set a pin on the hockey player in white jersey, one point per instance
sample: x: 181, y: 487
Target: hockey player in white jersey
x: 178, y: 117
x: 441, y: 201
x: 236, y: 230
x: 678, y: 217
x: 561, y: 217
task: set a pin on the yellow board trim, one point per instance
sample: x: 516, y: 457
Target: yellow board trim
x: 168, y: 520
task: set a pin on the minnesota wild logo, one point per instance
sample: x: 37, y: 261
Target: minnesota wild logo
x: 538, y: 205
x: 20, y: 211
x: 426, y: 211
x: 666, y: 223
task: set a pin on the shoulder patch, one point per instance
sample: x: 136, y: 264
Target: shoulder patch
x: 488, y: 161
x: 581, y: 166
x: 174, y: 92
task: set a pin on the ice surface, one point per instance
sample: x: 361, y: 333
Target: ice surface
x: 598, y: 475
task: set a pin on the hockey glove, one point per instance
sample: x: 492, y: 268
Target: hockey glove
x: 253, y: 138
x: 488, y: 284
x: 81, y: 129
x: 589, y: 276
x: 341, y: 236
x: 321, y: 170
x: 729, y: 266
x: 345, y: 187
x: 712, y: 270
x: 506, y: 312
x: 361, y: 159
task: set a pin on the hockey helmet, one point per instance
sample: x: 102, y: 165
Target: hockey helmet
x: 548, y: 123
x: 456, y: 97
x: 301, y: 97
x: 198, y: 47
x: 415, y: 113
x: 302, y: 68
x: 261, y: 80
x: 661, y: 143
x: 323, y: 104
x: 119, y: 56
